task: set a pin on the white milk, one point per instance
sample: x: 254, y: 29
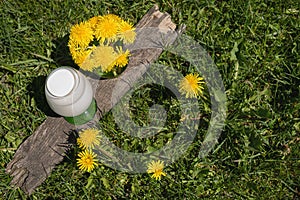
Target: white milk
x: 68, y: 92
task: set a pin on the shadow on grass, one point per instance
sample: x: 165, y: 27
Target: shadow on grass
x: 61, y: 53
x: 37, y: 91
x: 71, y: 152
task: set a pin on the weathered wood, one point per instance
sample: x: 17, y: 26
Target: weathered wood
x: 39, y: 153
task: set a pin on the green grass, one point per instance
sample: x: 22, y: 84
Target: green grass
x: 254, y: 44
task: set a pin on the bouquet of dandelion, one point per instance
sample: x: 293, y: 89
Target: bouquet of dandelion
x: 97, y: 45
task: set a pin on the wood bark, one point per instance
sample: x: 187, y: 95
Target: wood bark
x: 37, y: 156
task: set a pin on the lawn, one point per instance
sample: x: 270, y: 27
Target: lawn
x: 255, y: 46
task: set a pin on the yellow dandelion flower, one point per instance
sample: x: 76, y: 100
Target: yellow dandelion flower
x: 107, y: 28
x: 80, y: 57
x: 126, y: 32
x: 104, y: 56
x: 87, y: 160
x: 191, y: 85
x: 122, y: 57
x: 88, y: 65
x: 94, y: 21
x: 156, y: 167
x: 88, y: 138
x: 82, y: 34
x: 73, y: 47
x: 114, y: 17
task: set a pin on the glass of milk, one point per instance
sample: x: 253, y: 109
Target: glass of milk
x: 70, y: 94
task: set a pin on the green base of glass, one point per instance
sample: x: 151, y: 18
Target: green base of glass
x: 85, y: 117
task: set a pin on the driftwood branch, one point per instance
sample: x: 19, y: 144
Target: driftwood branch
x: 38, y: 154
